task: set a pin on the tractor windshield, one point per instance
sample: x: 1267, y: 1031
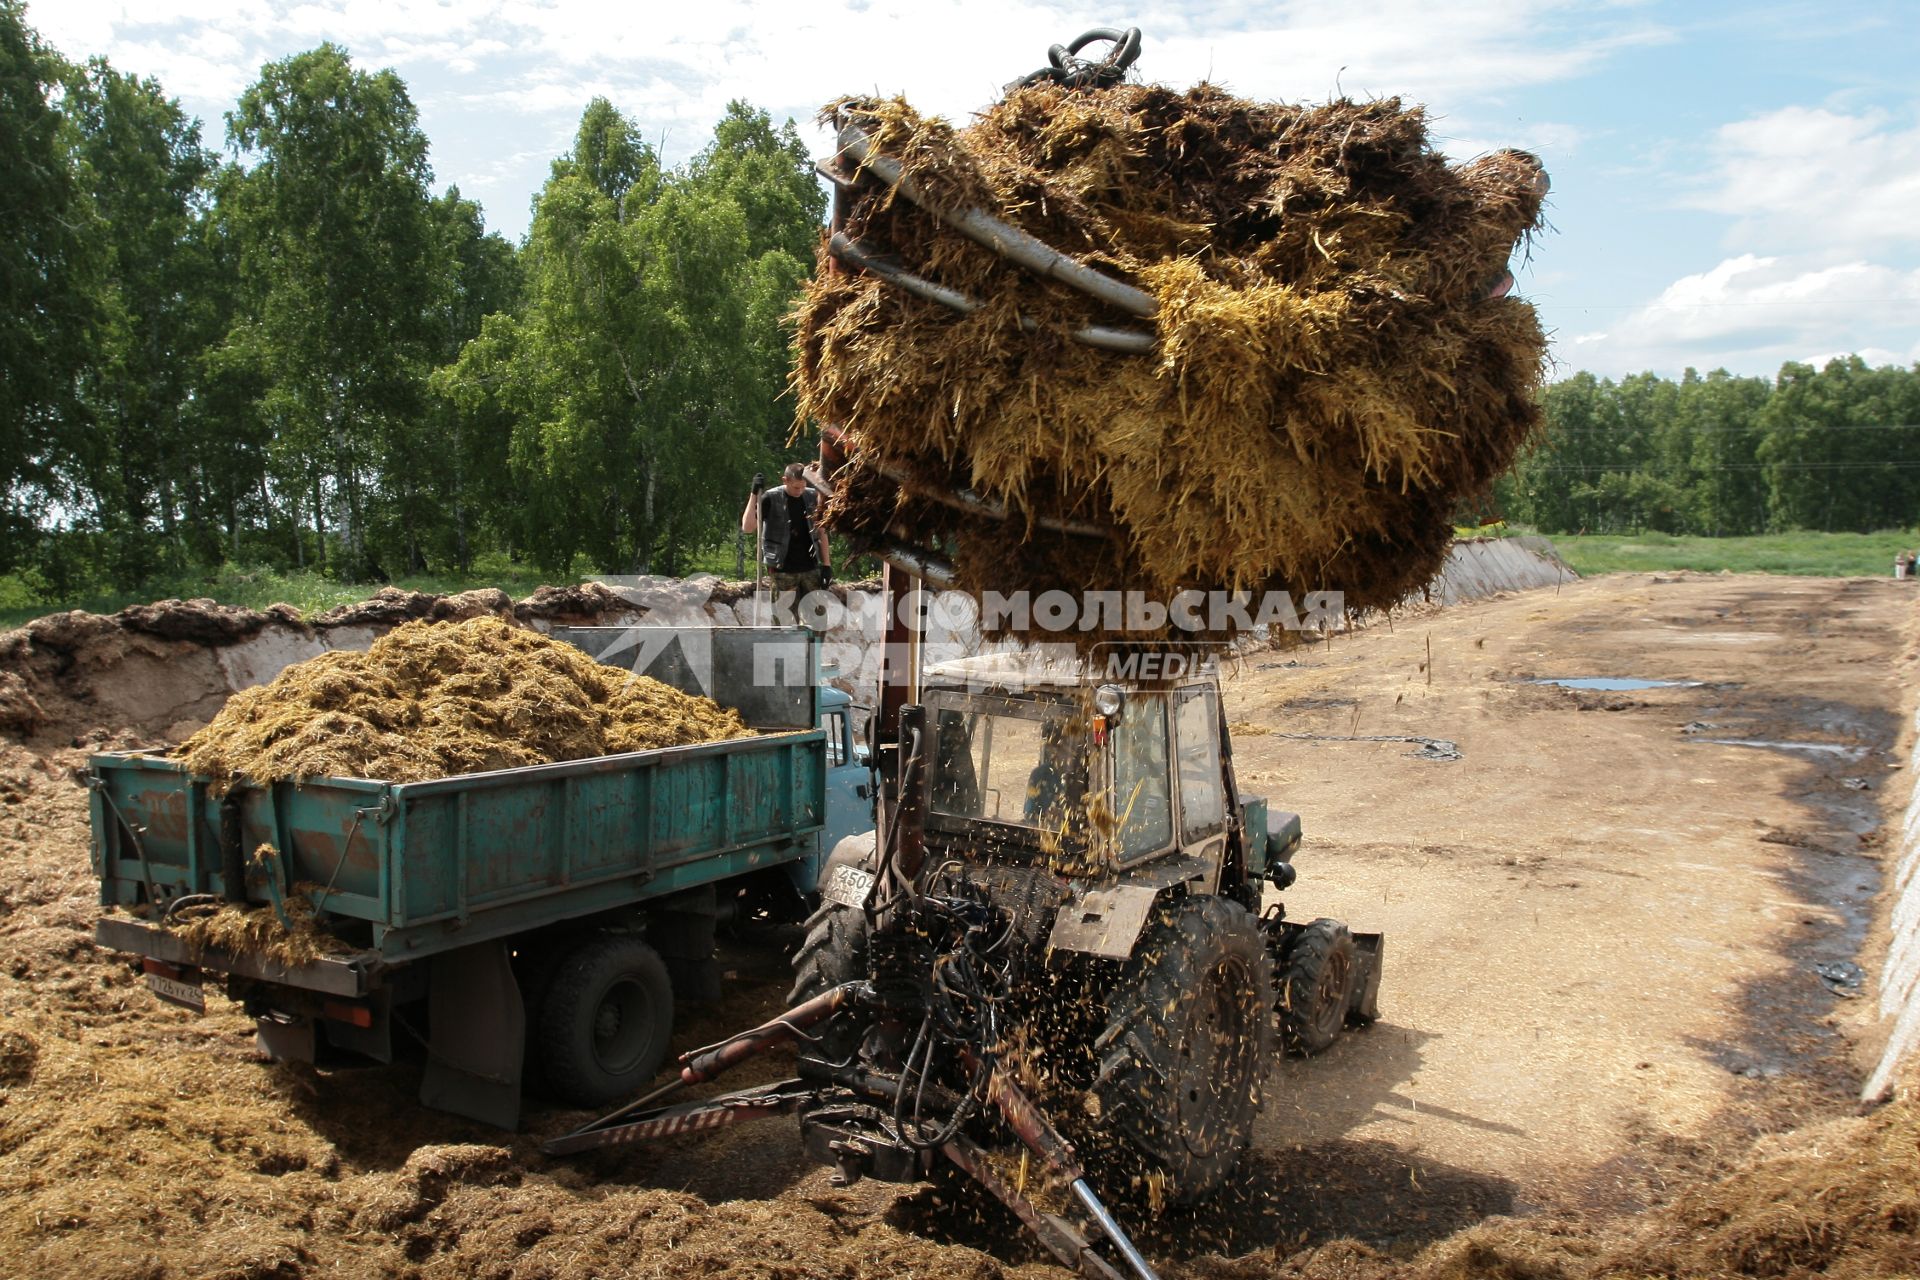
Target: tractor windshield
x: 1017, y: 761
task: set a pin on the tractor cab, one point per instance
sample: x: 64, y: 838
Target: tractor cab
x: 1036, y: 761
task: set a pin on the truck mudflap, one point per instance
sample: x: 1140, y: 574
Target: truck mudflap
x: 474, y: 1048
x: 477, y: 1038
x: 351, y: 976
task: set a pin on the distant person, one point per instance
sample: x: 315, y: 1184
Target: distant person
x: 1903, y: 564
x: 793, y: 546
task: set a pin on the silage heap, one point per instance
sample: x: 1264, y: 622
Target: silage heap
x: 431, y: 700
x: 1330, y: 378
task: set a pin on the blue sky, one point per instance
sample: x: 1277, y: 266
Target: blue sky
x: 1735, y: 185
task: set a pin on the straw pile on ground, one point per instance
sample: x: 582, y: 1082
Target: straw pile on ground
x: 1330, y: 378
x: 431, y: 700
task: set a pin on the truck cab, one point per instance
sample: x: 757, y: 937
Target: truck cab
x: 849, y: 785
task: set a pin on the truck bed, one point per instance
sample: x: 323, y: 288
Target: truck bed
x: 417, y: 868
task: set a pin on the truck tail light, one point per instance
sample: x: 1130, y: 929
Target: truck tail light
x: 356, y: 1015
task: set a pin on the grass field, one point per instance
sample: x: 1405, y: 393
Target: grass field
x: 1825, y: 555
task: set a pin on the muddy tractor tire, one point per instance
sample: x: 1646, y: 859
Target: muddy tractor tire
x: 1316, y: 986
x: 605, y: 1021
x: 1185, y: 1051
x: 835, y: 952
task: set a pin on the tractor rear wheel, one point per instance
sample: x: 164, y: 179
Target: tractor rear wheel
x: 1316, y: 987
x: 1184, y: 1052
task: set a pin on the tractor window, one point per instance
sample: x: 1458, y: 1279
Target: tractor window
x: 1013, y: 762
x: 1196, y: 729
x: 1140, y: 801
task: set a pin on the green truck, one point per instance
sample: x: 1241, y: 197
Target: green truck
x: 528, y: 926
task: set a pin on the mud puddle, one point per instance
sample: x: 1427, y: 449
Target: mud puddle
x: 1841, y: 750
x: 1828, y: 865
x: 1614, y: 684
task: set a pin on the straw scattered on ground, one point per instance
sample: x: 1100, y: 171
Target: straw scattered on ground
x: 432, y: 700
x: 1331, y: 377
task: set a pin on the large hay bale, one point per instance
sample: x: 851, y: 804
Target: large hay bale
x: 1330, y: 376
x: 431, y: 700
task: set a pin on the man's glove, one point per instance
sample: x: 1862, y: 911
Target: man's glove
x: 759, y: 481
x: 826, y: 576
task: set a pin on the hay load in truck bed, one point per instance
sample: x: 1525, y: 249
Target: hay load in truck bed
x: 439, y: 699
x: 1310, y: 362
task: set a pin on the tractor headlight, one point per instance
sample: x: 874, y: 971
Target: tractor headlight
x: 1108, y: 699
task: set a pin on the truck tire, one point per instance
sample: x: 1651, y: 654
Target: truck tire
x: 605, y: 1021
x: 1185, y: 1051
x: 1316, y: 986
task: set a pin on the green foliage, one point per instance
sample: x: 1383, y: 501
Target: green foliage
x: 128, y: 453
x: 47, y: 327
x: 303, y: 359
x: 1832, y: 449
x: 642, y: 370
x: 255, y: 586
x: 335, y: 251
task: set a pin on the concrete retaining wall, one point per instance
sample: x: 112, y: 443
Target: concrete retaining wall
x: 1489, y: 566
x: 1900, y: 977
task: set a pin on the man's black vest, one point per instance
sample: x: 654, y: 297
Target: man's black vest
x: 775, y: 529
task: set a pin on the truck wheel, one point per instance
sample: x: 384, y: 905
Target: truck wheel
x: 1316, y: 987
x: 1187, y: 1039
x: 605, y: 1021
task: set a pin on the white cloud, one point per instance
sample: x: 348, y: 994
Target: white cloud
x: 674, y: 67
x: 1811, y: 179
x: 1750, y: 314
x: 1418, y: 50
x: 1545, y: 138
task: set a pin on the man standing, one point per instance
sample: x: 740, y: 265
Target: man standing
x: 793, y: 546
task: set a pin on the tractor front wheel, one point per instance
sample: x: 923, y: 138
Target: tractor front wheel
x: 1316, y: 987
x: 834, y: 953
x: 1184, y: 1051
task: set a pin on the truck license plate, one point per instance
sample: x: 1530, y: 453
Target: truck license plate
x: 174, y: 991
x: 847, y: 886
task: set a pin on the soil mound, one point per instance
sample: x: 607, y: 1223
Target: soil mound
x: 1331, y: 370
x: 391, y: 606
x: 431, y: 700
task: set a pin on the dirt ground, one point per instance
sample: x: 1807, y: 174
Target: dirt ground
x: 1602, y: 919
x: 1601, y: 923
